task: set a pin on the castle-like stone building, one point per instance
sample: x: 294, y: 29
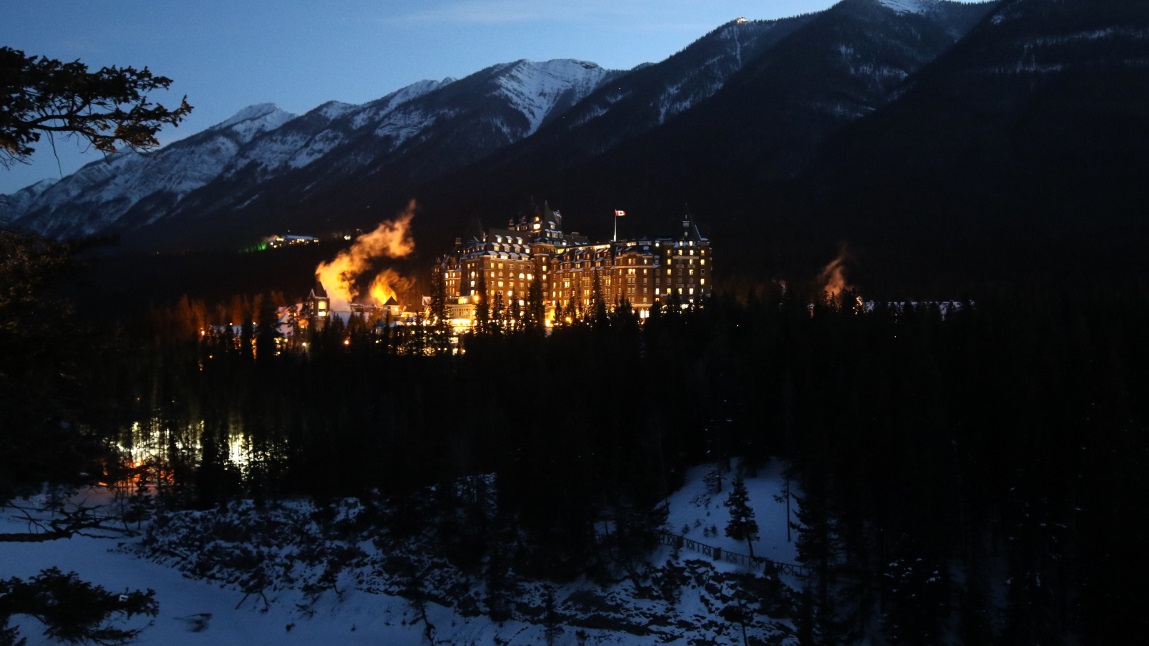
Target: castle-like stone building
x: 503, y: 263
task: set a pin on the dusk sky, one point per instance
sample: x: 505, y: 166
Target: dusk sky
x: 228, y: 55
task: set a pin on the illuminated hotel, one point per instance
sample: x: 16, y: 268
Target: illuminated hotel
x: 644, y: 271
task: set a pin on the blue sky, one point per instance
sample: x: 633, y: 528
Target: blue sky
x: 298, y: 54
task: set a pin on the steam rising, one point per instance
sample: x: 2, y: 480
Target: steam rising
x: 833, y: 278
x: 340, y: 277
x: 389, y: 284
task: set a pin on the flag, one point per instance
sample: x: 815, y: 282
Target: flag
x: 619, y: 214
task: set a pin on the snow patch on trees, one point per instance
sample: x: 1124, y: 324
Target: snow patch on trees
x: 910, y: 6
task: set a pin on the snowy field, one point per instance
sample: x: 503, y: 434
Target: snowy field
x: 199, y: 611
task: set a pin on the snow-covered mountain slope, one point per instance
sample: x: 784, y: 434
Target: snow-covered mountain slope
x: 253, y: 120
x: 536, y: 89
x: 315, y: 134
x: 19, y: 201
x: 418, y: 133
x: 499, y: 105
x: 750, y: 94
x: 910, y: 6
x: 425, y: 128
x: 651, y: 94
x: 642, y: 100
x: 275, y: 170
x: 97, y: 196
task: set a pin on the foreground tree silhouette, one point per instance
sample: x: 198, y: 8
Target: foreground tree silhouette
x: 38, y: 374
x: 107, y: 107
x: 71, y: 610
x: 41, y: 350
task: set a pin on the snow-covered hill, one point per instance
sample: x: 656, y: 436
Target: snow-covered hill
x: 300, y: 573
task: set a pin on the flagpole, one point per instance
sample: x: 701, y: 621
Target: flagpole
x: 615, y: 226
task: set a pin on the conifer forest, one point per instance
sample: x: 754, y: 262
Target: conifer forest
x: 975, y: 472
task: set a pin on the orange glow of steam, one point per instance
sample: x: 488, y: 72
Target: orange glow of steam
x: 833, y: 279
x: 387, y: 285
x: 391, y: 239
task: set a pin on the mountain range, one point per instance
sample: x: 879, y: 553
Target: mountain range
x: 939, y: 140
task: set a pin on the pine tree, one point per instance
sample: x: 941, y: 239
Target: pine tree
x: 536, y: 305
x: 572, y: 309
x: 483, y: 304
x: 72, y: 610
x: 819, y: 548
x: 268, y: 331
x: 742, y: 526
x: 600, y: 319
x: 498, y: 313
x: 438, y: 297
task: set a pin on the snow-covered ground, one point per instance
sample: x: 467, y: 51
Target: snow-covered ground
x: 361, y: 608
x: 693, y: 510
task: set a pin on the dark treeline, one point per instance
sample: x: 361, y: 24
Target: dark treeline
x: 977, y: 474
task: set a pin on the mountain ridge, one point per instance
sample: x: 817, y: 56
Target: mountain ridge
x: 131, y: 190
x: 426, y: 130
x: 890, y: 125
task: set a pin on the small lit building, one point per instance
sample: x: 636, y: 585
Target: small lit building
x: 316, y: 309
x: 278, y: 241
